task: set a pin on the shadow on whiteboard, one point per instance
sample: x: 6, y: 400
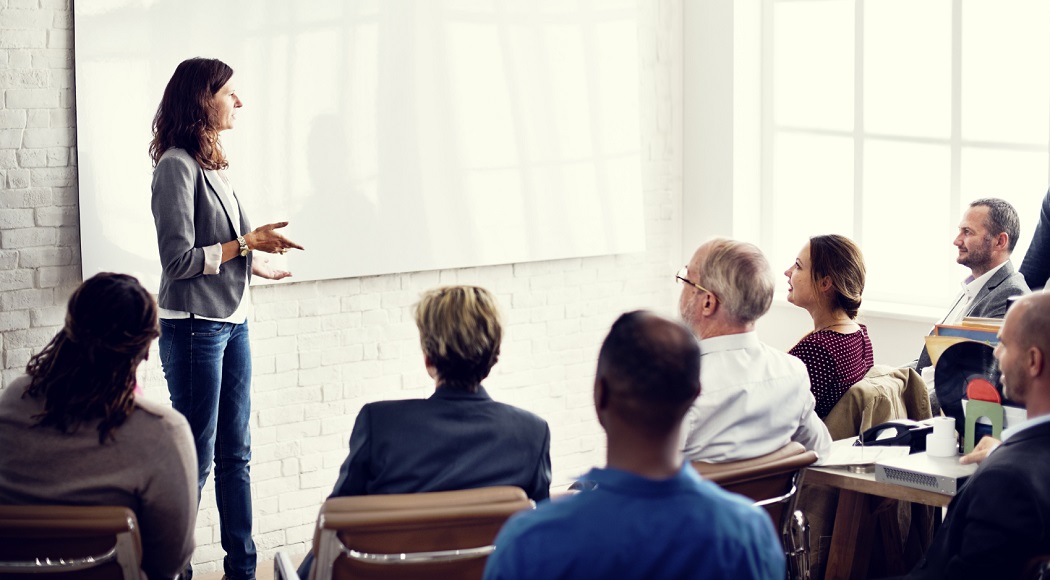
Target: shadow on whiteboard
x: 395, y: 136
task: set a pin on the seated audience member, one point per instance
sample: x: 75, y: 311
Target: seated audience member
x: 1036, y: 264
x: 1001, y: 517
x: 459, y: 438
x: 987, y: 235
x: 646, y: 515
x: 756, y: 398
x: 74, y: 433
x: 827, y: 279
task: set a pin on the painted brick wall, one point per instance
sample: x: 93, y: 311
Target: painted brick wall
x: 323, y: 349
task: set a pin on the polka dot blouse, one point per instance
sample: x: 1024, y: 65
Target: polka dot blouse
x: 835, y: 362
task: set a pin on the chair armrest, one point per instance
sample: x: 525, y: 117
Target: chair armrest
x: 283, y: 569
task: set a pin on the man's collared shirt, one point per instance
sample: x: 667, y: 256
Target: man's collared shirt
x: 971, y: 287
x: 754, y: 399
x: 1034, y: 421
x: 629, y: 526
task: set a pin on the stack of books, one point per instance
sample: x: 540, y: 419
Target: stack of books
x: 972, y: 328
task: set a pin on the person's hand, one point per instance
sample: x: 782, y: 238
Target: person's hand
x: 267, y: 239
x: 261, y: 267
x: 980, y: 451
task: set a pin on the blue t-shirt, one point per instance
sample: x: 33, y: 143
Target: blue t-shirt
x: 632, y: 527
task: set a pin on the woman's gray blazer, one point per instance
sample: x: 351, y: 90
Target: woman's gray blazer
x: 190, y: 215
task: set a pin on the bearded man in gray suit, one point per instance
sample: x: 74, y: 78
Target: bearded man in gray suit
x: 988, y: 233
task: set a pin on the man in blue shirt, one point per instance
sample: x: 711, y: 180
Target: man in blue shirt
x: 649, y: 515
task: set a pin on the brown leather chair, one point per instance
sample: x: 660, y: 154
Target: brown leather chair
x: 69, y: 542
x: 772, y: 481
x: 447, y: 534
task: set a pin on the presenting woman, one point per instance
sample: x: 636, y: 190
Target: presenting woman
x: 827, y: 279
x: 206, y: 252
x: 73, y: 432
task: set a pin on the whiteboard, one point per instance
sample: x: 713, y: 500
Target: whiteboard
x: 394, y: 135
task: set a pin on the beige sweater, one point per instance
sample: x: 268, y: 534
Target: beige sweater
x: 150, y: 468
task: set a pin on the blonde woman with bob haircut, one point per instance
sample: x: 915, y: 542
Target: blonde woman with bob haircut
x: 458, y: 438
x: 460, y: 333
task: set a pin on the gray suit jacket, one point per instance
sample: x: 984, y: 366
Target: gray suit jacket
x: 190, y: 215
x: 992, y: 301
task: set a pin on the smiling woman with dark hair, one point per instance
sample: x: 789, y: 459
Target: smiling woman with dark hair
x: 74, y: 433
x: 208, y: 256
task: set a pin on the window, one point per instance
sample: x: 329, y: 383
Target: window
x: 883, y: 119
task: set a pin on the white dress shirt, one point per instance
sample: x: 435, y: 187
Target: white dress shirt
x: 754, y: 399
x: 1008, y: 433
x: 971, y: 287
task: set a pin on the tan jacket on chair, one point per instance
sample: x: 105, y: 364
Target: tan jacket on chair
x: 884, y: 394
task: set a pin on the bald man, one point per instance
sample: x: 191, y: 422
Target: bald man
x: 648, y: 514
x: 1001, y: 517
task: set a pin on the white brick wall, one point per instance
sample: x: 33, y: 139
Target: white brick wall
x: 323, y: 349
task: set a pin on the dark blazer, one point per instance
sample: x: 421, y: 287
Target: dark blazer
x: 1036, y: 263
x: 453, y: 440
x: 1000, y: 518
x: 992, y: 301
x: 190, y: 214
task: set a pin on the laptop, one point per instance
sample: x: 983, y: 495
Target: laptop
x: 921, y: 471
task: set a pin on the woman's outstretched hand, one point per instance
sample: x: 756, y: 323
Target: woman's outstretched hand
x: 267, y: 239
x: 261, y: 267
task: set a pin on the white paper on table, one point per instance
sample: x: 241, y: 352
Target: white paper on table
x: 844, y: 453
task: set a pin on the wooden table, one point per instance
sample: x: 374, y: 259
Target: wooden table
x: 852, y: 533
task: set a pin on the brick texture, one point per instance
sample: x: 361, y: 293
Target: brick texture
x: 323, y: 349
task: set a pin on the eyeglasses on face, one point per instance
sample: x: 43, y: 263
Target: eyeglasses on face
x: 681, y: 277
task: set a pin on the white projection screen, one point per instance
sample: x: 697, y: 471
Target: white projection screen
x: 394, y: 135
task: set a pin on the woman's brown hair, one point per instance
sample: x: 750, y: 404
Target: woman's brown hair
x: 87, y: 371
x: 840, y: 259
x: 184, y: 118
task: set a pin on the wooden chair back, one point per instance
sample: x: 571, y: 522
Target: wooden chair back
x: 447, y: 534
x: 69, y: 543
x: 772, y: 481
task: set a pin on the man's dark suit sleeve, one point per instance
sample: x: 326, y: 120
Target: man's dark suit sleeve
x: 1000, y: 518
x: 541, y: 481
x: 353, y: 475
x: 1036, y: 264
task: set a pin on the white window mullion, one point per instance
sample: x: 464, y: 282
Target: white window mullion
x: 768, y: 94
x: 955, y: 211
x: 858, y: 121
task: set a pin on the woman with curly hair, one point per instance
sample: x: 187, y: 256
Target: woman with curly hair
x: 207, y: 255
x: 74, y: 433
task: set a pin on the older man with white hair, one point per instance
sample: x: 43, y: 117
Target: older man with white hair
x: 756, y: 398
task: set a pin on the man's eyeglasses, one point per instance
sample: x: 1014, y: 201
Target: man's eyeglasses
x: 681, y: 277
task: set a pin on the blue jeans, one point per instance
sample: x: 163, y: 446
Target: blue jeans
x: 208, y: 367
